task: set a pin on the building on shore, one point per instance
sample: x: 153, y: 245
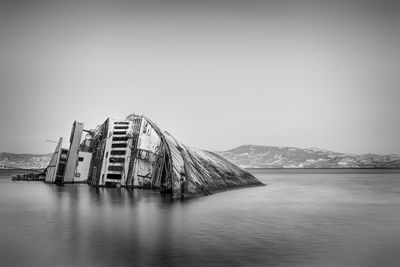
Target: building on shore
x: 135, y: 152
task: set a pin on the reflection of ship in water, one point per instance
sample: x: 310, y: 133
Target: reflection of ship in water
x: 135, y: 152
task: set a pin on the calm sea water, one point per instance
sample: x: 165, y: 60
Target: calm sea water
x: 301, y: 218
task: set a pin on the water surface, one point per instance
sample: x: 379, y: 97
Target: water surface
x: 301, y: 218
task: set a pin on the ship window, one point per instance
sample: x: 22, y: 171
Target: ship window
x: 120, y: 138
x: 119, y: 132
x: 118, y: 152
x: 119, y: 145
x: 114, y: 176
x: 116, y: 168
x: 117, y: 160
x: 121, y: 127
x: 80, y: 159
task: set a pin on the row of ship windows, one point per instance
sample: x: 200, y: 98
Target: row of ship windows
x: 118, y: 152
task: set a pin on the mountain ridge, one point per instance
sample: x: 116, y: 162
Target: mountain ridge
x: 24, y: 160
x: 251, y: 156
x: 259, y: 156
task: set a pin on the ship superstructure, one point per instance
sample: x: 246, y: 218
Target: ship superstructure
x: 135, y: 152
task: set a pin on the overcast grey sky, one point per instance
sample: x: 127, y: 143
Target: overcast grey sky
x: 215, y: 74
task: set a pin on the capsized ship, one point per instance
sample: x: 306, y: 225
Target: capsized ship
x: 135, y: 152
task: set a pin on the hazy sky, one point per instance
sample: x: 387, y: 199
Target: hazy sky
x: 215, y: 74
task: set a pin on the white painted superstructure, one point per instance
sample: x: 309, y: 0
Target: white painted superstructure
x: 148, y: 147
x: 83, y: 166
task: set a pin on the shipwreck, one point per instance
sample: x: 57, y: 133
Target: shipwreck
x: 135, y: 152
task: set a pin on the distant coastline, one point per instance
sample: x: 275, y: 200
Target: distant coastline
x: 253, y: 157
x: 344, y: 168
x: 7, y: 173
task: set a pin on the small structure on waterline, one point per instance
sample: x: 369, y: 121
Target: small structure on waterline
x: 135, y: 152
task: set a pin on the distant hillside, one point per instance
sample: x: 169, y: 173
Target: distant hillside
x: 25, y: 161
x: 251, y: 156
